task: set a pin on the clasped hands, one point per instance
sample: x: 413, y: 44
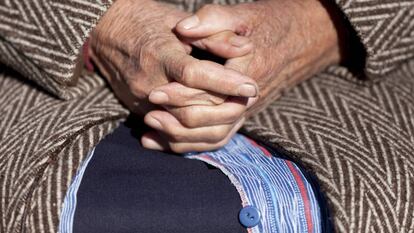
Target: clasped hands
x: 143, y: 49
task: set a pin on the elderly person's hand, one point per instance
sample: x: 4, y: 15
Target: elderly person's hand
x: 136, y: 50
x: 292, y: 41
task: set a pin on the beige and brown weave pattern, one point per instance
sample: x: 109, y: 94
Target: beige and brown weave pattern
x: 42, y: 142
x: 42, y: 39
x: 386, y: 28
x: 44, y: 213
x: 358, y: 140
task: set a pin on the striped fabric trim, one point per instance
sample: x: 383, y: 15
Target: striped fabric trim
x: 275, y: 186
x: 69, y: 204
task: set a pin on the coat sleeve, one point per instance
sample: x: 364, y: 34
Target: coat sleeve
x: 43, y: 40
x: 386, y: 30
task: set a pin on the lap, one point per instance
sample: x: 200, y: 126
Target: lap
x: 127, y: 188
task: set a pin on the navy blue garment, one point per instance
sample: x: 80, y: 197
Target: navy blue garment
x: 129, y: 189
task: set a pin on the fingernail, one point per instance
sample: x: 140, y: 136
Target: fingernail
x: 150, y: 143
x: 152, y: 122
x: 190, y: 22
x: 239, y: 41
x: 247, y: 90
x: 251, y: 101
x: 158, y: 97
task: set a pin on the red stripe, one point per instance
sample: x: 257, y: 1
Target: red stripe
x: 304, y: 195
x: 264, y: 150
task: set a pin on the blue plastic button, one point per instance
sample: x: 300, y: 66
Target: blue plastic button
x: 249, y: 216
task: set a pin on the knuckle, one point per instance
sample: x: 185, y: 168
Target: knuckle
x: 208, y: 97
x: 139, y: 91
x: 187, y: 73
x: 154, y: 52
x: 188, y: 117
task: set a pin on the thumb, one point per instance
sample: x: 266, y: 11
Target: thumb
x: 209, y: 20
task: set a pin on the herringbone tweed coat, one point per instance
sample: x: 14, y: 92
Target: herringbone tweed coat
x: 355, y: 134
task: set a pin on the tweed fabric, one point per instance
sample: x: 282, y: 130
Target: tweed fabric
x: 42, y: 39
x: 42, y: 142
x: 357, y: 137
x: 358, y: 140
x: 43, y: 214
x: 386, y: 29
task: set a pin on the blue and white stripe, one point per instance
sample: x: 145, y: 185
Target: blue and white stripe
x: 69, y: 204
x: 267, y: 183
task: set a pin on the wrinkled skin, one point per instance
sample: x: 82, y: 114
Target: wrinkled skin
x: 292, y: 40
x: 136, y: 50
x: 199, y: 105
